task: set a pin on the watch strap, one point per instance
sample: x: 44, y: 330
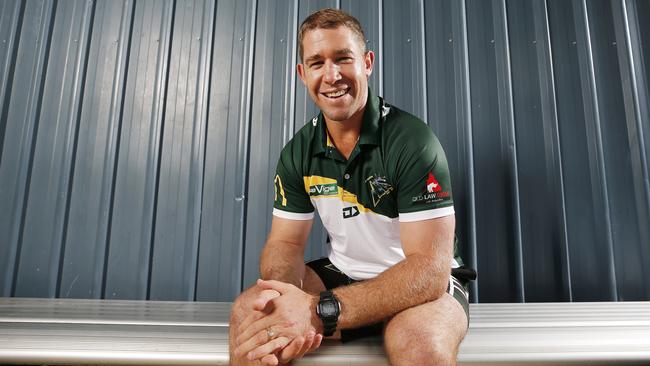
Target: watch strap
x: 329, y: 320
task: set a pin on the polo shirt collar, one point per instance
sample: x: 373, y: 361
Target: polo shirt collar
x: 369, y: 126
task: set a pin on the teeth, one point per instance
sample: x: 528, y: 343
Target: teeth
x: 335, y: 94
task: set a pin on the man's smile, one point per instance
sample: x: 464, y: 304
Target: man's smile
x: 336, y: 93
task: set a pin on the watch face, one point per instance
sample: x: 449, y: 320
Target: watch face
x: 328, y: 308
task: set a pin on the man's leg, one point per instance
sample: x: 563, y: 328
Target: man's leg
x: 427, y: 334
x: 243, y: 306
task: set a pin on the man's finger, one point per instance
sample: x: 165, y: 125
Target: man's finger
x: 292, y: 350
x: 270, y: 360
x: 263, y: 298
x: 252, y: 317
x: 309, y: 340
x: 261, y: 324
x: 278, y: 286
x: 252, y: 343
x: 268, y: 348
x: 318, y: 339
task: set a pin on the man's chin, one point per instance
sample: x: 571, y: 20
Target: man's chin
x: 338, y: 117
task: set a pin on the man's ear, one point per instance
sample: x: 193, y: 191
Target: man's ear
x: 369, y: 61
x: 300, y: 69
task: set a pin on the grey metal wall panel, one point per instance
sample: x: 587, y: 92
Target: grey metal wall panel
x: 222, y: 222
x: 586, y: 231
x: 495, y: 225
x: 88, y: 225
x: 175, y: 253
x: 20, y: 132
x: 403, y: 53
x: 128, y: 260
x: 619, y: 171
x: 46, y: 210
x: 11, y: 16
x: 542, y: 218
x: 138, y: 139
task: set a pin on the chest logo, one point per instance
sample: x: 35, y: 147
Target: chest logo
x: 330, y: 189
x: 379, y: 188
x: 351, y: 211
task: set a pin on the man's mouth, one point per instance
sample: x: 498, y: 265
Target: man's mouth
x: 336, y: 94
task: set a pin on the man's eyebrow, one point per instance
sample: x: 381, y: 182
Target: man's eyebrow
x: 345, y: 51
x: 311, y: 58
x: 341, y: 52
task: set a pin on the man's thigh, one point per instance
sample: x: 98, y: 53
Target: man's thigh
x: 432, y: 331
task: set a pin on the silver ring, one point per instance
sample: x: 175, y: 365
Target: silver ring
x: 270, y: 333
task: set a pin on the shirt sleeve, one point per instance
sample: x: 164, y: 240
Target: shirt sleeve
x: 424, y: 185
x: 291, y: 201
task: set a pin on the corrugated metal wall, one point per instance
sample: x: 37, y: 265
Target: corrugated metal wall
x: 139, y: 139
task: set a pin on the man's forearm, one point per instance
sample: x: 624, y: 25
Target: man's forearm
x: 413, y: 281
x: 282, y: 261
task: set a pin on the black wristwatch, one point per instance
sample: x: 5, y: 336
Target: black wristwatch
x: 328, y: 310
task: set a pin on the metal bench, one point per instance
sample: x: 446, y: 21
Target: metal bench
x: 84, y: 332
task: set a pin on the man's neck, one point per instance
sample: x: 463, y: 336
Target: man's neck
x: 345, y: 135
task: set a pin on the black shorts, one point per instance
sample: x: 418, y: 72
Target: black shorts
x: 332, y: 277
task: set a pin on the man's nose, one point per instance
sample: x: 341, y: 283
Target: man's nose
x: 332, y: 72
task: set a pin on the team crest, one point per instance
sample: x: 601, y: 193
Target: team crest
x: 379, y: 187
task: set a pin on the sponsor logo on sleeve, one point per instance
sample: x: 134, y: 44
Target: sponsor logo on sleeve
x: 434, y: 192
x: 432, y: 184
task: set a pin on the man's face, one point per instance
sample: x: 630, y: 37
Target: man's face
x: 335, y: 71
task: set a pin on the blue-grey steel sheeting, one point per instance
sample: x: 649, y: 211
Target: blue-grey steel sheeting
x: 138, y: 139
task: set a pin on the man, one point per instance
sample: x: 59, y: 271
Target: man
x: 379, y: 180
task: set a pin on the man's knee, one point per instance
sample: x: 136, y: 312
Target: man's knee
x: 409, y: 346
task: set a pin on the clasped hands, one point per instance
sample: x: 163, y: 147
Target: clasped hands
x: 282, y: 326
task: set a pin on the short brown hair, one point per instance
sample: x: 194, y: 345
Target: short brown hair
x: 331, y: 19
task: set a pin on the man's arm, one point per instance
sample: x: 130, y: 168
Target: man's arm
x: 283, y: 254
x: 282, y: 260
x: 421, y: 277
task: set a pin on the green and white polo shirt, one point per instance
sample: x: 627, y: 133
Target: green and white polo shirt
x: 396, y: 172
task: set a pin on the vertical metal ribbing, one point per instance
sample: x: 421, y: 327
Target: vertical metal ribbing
x: 81, y: 68
x: 512, y: 149
x: 638, y: 113
x: 34, y: 103
x: 7, y: 265
x: 205, y: 76
x: 423, y: 60
x: 469, y: 171
x: 157, y: 133
x: 114, y: 130
x: 290, y: 88
x: 380, y: 47
x: 7, y: 74
x: 600, y: 152
x: 556, y: 137
x: 244, y: 128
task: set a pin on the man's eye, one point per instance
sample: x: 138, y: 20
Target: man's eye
x: 345, y: 59
x: 316, y: 64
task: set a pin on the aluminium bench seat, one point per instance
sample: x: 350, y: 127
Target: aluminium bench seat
x: 64, y: 331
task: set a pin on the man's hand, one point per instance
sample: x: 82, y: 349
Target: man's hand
x: 290, y: 317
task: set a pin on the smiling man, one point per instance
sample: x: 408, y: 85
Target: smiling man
x: 379, y: 180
